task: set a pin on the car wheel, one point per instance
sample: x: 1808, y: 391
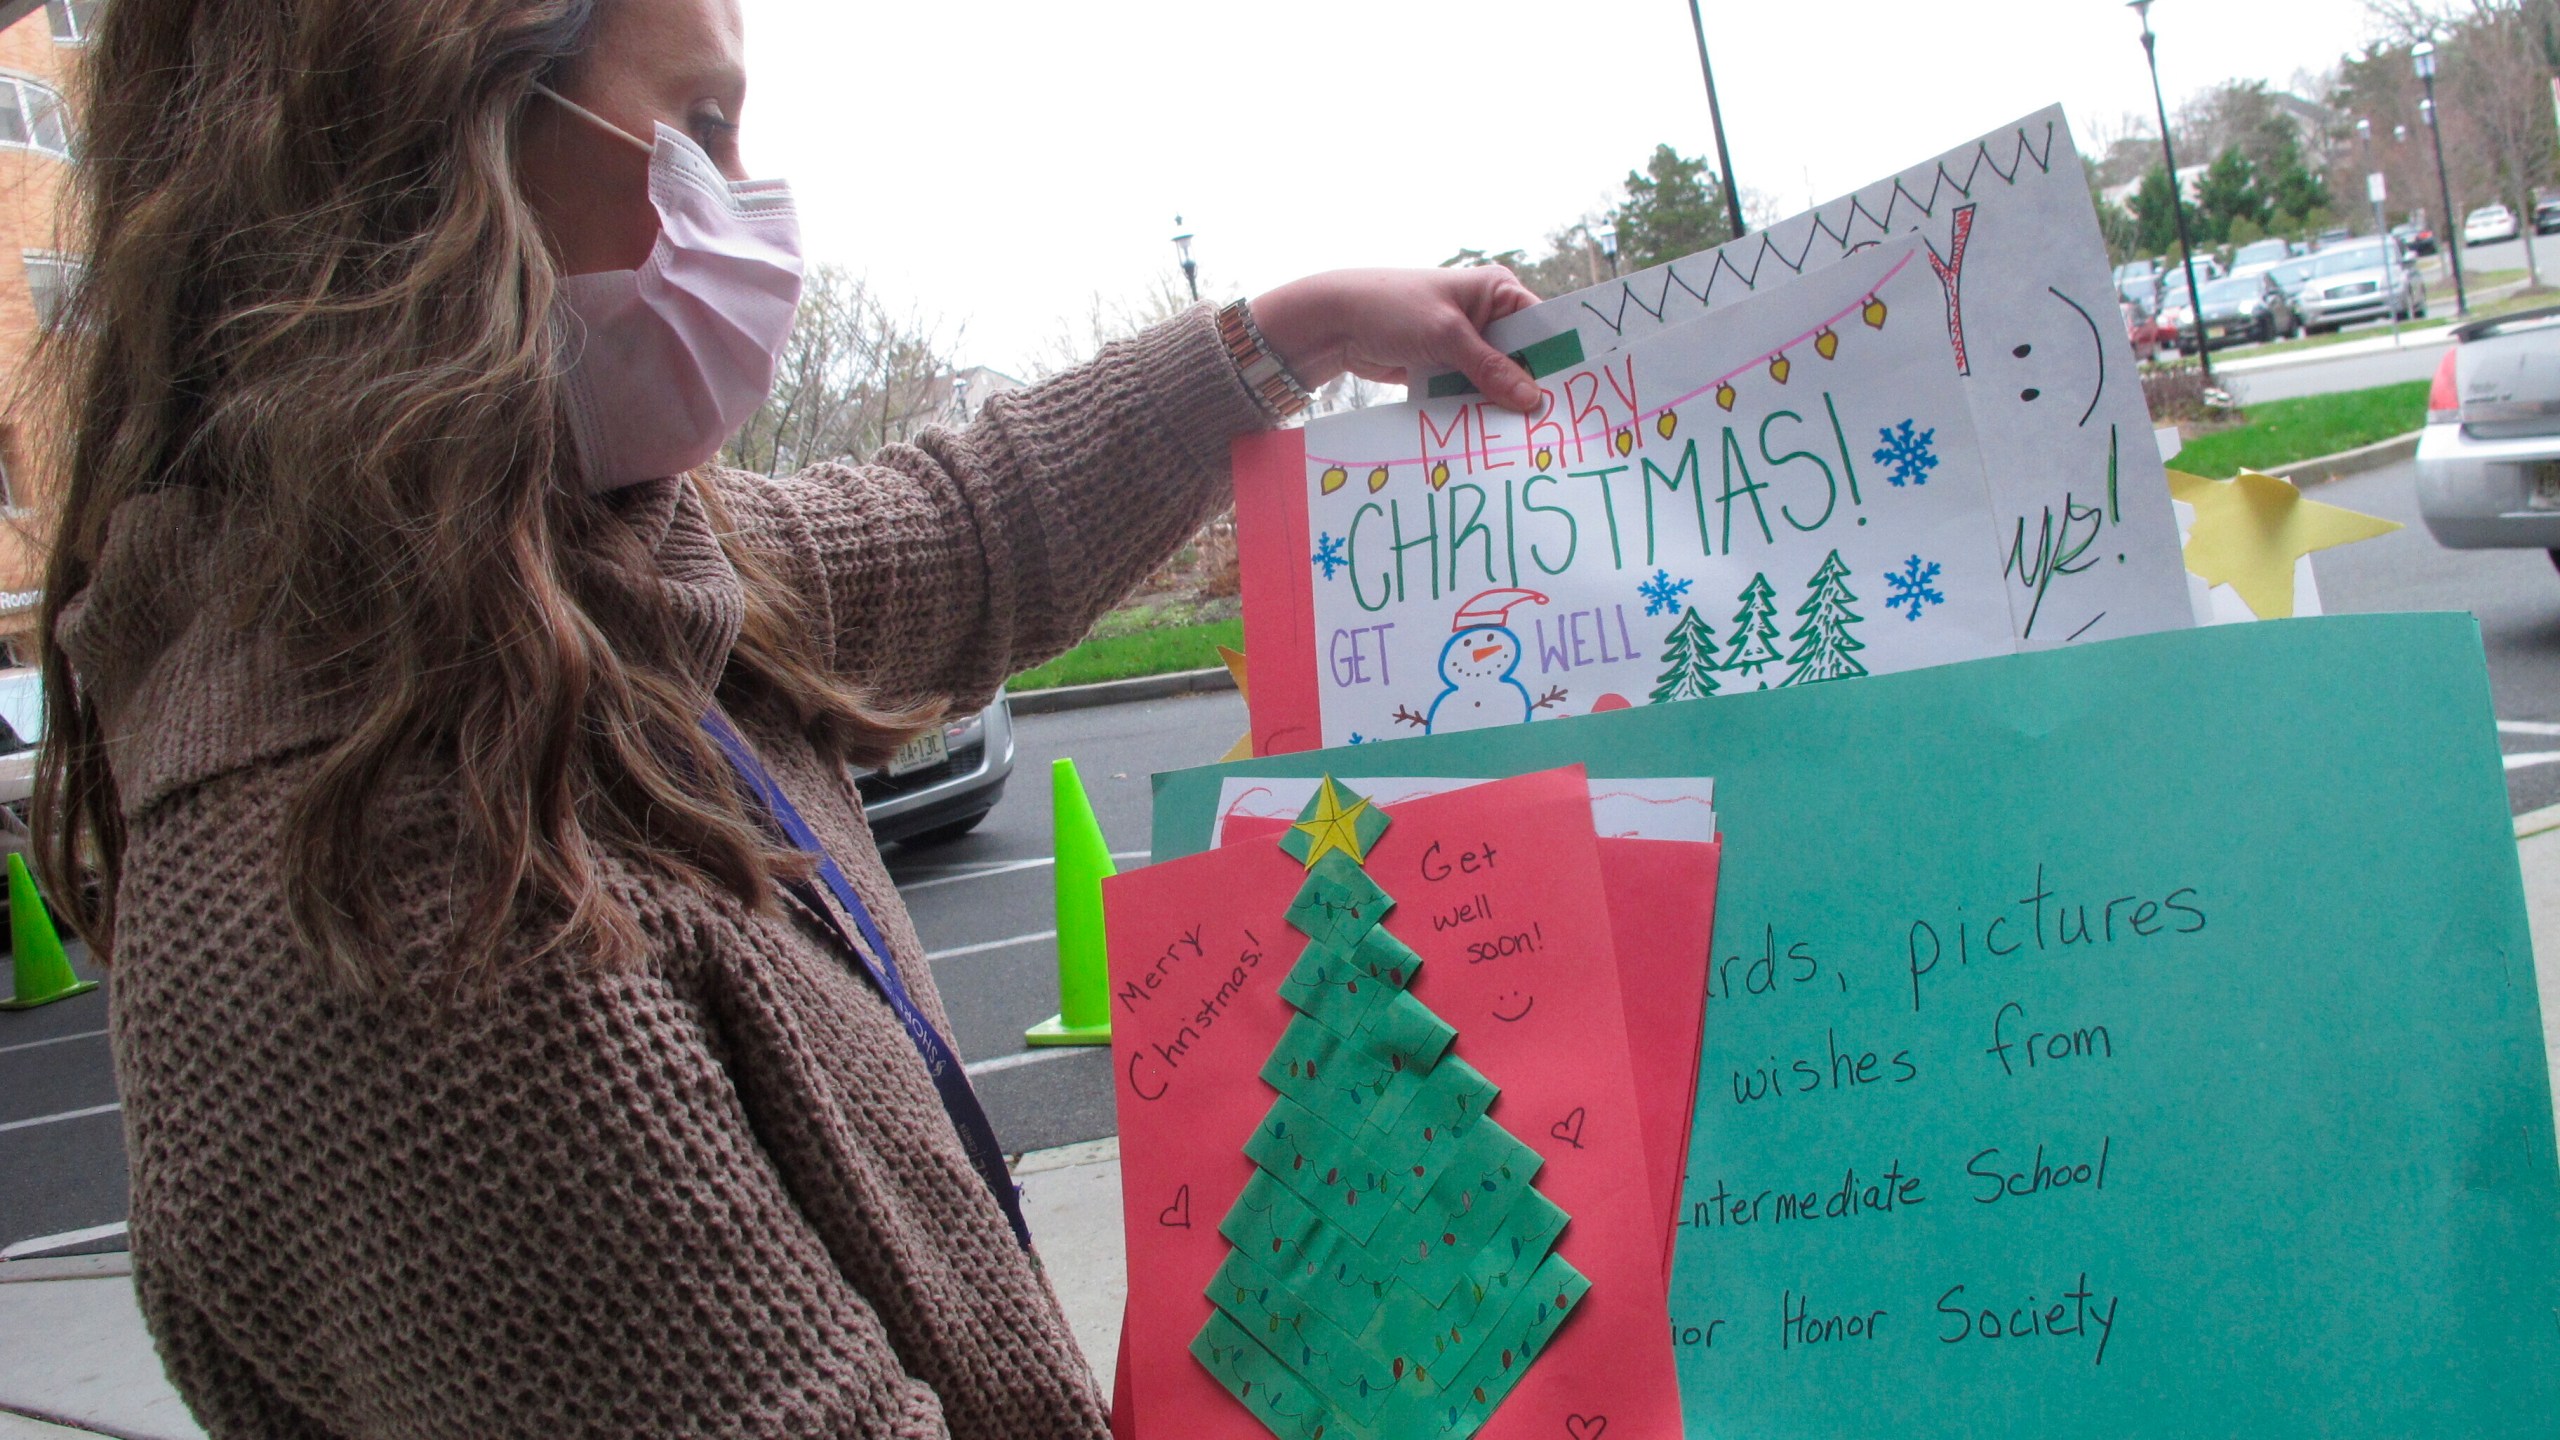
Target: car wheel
x: 946, y: 833
x: 2555, y: 559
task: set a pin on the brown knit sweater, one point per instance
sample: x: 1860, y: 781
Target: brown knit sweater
x: 713, y: 1196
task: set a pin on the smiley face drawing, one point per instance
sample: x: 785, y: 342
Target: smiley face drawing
x: 1517, y: 1002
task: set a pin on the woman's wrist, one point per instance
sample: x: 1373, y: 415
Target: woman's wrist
x: 1297, y: 326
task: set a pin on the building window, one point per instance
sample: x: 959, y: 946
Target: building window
x: 31, y: 115
x: 49, y: 282
x: 74, y: 21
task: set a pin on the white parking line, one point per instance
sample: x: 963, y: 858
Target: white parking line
x: 990, y: 869
x: 980, y: 949
x: 41, y: 1244
x: 58, y: 1119
x: 2527, y: 727
x: 2532, y: 758
x: 56, y: 1040
x: 1015, y: 1062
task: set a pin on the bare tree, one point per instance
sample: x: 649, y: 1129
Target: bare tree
x: 855, y: 375
x: 2493, y: 95
x: 1107, y: 319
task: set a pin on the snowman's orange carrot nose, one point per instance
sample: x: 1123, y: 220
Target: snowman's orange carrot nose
x: 1487, y: 652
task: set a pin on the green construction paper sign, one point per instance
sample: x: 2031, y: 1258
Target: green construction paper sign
x: 2134, y: 1038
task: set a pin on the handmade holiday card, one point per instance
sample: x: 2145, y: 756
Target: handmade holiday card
x: 1382, y: 1162
x: 2030, y: 306
x: 2090, y: 1052
x: 1791, y: 495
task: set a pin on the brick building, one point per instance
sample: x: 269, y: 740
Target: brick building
x: 40, y: 44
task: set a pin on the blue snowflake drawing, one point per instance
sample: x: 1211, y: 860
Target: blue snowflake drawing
x: 1911, y: 452
x: 1328, y: 556
x: 1662, y: 593
x: 1358, y: 739
x: 1910, y: 586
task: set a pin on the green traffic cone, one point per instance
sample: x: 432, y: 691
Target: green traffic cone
x: 1084, y: 974
x: 44, y: 972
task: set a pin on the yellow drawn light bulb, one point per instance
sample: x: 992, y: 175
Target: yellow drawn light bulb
x: 1724, y: 395
x: 1778, y: 369
x: 1377, y: 479
x: 1332, y: 479
x: 1626, y: 442
x: 1439, y: 473
x: 1874, y: 313
x: 1825, y: 343
x: 1665, y: 424
x: 1546, y: 457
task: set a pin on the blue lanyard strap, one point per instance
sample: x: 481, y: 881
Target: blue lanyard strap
x: 968, y: 1117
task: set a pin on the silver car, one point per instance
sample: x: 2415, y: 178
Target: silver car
x: 942, y: 783
x: 2360, y: 281
x: 2489, y: 460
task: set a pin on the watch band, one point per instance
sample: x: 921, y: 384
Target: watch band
x: 1263, y: 371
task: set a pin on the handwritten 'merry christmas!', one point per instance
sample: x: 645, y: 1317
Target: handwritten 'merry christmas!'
x: 1790, y: 498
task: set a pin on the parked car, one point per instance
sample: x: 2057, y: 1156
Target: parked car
x: 2247, y: 309
x: 2138, y: 283
x: 2546, y: 217
x: 2415, y: 234
x: 2489, y: 459
x: 942, y: 783
x: 2292, y: 275
x: 2488, y: 225
x: 2259, y: 255
x: 2361, y: 282
x: 2141, y: 330
x: 21, y: 730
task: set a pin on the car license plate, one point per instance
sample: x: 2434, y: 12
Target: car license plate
x: 922, y: 753
x: 2546, y: 486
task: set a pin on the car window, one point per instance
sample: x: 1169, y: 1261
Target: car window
x: 2261, y: 251
x: 2344, y: 262
x: 2225, y: 291
x: 21, y: 712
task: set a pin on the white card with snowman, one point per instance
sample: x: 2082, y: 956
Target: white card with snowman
x: 1791, y: 494
x: 2089, y: 548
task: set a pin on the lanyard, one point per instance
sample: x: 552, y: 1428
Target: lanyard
x: 967, y: 1115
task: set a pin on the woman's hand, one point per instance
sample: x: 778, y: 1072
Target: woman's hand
x: 1385, y: 325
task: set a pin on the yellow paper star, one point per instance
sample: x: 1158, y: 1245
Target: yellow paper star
x: 1332, y: 827
x: 2250, y: 530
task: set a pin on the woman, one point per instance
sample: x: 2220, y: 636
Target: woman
x: 498, y: 1060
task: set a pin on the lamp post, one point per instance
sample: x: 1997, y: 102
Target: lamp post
x: 1190, y: 267
x: 2422, y: 56
x: 1609, y: 247
x: 1715, y: 116
x: 2177, y: 192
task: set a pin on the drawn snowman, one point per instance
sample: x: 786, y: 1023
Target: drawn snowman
x: 1479, y: 670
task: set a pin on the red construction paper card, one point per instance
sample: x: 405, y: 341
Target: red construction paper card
x: 1279, y: 597
x: 1499, y: 890
x: 1662, y: 906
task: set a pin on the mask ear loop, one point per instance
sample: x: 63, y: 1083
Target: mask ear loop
x: 592, y: 118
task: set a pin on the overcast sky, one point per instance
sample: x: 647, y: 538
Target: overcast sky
x: 995, y: 163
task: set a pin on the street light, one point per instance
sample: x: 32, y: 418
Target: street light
x: 1190, y: 267
x: 2177, y: 192
x: 1609, y: 247
x: 1715, y: 116
x: 2423, y: 56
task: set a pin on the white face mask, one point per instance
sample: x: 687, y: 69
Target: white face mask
x: 668, y: 360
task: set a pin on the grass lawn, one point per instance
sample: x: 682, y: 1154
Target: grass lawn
x: 2280, y: 432
x: 1142, y: 652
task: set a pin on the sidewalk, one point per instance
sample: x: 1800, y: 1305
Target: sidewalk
x: 75, y: 1360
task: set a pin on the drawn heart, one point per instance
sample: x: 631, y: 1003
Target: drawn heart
x: 1177, y: 1216
x: 1569, y: 1130
x: 1586, y: 1427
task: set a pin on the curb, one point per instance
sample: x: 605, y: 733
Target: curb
x: 2538, y: 822
x: 1119, y: 692
x: 2325, y: 468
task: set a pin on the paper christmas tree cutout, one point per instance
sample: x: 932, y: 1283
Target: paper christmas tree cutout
x: 1393, y: 1270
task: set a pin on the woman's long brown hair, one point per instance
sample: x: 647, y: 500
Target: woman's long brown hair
x: 316, y: 296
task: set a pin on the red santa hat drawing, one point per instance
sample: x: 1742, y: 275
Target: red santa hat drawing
x: 1493, y: 607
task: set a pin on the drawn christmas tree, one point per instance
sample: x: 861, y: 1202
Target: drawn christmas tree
x: 1689, y: 655
x: 1755, y: 629
x: 1393, y: 1271
x: 1825, y: 649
